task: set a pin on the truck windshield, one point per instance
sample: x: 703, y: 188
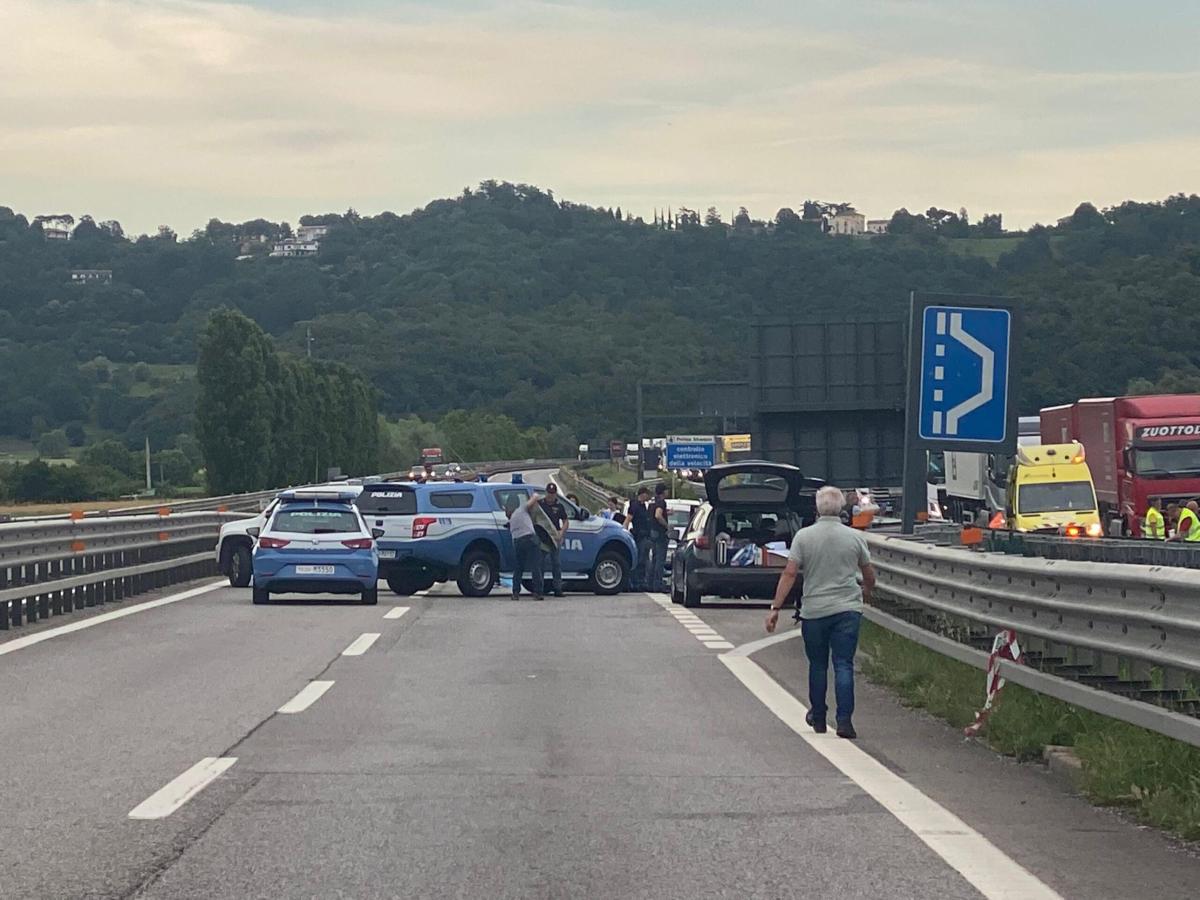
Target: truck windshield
x: 1055, y: 496
x: 1167, y: 461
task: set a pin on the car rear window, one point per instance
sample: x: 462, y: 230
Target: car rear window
x: 316, y: 521
x: 395, y: 502
x: 452, y: 500
x: 752, y: 487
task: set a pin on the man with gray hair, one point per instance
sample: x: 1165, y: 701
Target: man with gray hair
x: 832, y: 556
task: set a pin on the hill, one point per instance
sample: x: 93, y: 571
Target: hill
x: 508, y: 299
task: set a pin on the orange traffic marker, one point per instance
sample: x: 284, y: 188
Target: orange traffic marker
x: 77, y: 514
x: 972, y: 536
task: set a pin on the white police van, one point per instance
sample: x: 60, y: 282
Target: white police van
x: 453, y: 531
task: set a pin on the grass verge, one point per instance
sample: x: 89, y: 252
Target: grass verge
x: 1156, y: 777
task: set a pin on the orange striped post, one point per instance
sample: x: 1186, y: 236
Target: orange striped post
x: 164, y: 536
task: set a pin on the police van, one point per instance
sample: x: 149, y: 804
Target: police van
x: 459, y: 532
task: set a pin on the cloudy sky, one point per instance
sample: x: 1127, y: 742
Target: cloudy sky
x: 164, y: 111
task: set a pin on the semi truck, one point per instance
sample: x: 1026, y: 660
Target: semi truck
x: 1138, y: 448
x: 975, y: 483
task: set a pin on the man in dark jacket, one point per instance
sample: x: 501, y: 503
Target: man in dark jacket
x: 638, y: 523
x: 557, y: 514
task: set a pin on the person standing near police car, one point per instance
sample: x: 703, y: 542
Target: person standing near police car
x: 557, y: 514
x: 660, y: 532
x: 638, y: 524
x: 526, y: 546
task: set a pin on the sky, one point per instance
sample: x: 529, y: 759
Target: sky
x: 174, y: 112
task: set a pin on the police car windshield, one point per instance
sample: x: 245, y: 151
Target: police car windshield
x: 1166, y: 461
x: 1060, y: 496
x: 315, y: 521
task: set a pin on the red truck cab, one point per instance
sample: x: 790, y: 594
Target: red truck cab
x: 1139, y: 448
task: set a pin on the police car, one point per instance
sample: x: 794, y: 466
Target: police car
x: 458, y: 532
x: 315, y: 542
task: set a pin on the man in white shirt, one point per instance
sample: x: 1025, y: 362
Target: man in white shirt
x: 526, y: 546
x: 833, y: 557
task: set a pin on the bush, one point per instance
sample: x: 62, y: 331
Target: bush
x: 76, y: 436
x: 54, y: 444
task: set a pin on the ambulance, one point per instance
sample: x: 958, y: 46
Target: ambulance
x: 1050, y: 491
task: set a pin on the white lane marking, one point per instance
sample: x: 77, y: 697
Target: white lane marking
x: 754, y: 646
x: 994, y: 874
x: 361, y: 644
x: 180, y: 790
x: 308, y: 695
x: 30, y: 639
x: 395, y: 612
x: 719, y: 645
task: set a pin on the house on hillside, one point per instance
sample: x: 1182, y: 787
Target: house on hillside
x: 878, y: 226
x: 848, y: 221
x: 311, y: 232
x: 91, y: 276
x: 56, y: 228
x: 294, y: 247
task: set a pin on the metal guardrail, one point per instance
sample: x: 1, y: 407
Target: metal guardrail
x: 51, y: 568
x: 1097, y: 550
x: 1099, y: 637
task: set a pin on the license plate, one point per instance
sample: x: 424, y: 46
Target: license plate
x: 315, y: 570
x: 387, y: 554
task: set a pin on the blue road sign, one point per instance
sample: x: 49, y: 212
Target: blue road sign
x: 964, y: 374
x: 691, y: 452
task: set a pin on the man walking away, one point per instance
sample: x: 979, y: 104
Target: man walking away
x: 557, y: 513
x: 527, y: 548
x: 639, y: 530
x: 660, y: 531
x: 832, y: 557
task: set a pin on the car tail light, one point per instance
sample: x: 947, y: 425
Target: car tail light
x: 270, y: 543
x: 359, y: 544
x: 421, y: 525
x: 1095, y: 530
x: 702, y: 542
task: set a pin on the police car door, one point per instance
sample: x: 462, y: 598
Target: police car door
x: 582, y: 543
x: 504, y: 497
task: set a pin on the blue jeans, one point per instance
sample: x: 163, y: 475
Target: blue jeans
x: 552, y: 560
x: 837, y: 633
x: 658, y: 562
x: 529, y: 556
x: 637, y: 581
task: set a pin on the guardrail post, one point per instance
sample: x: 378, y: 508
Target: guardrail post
x: 5, y: 612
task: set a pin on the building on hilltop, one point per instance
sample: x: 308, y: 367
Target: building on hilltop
x: 848, y: 221
x: 311, y: 232
x: 293, y: 247
x: 878, y: 226
x: 56, y: 228
x: 91, y: 276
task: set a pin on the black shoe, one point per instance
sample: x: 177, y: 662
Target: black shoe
x: 558, y: 594
x: 516, y: 596
x: 818, y: 727
x: 538, y: 597
x: 846, y: 730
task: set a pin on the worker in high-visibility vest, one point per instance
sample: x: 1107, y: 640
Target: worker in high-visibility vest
x: 1188, y: 528
x: 1154, y: 526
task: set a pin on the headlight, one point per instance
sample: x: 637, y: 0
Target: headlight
x: 1095, y: 530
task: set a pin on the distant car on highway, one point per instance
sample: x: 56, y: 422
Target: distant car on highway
x: 452, y: 531
x: 315, y: 542
x: 235, y: 546
x: 750, y: 505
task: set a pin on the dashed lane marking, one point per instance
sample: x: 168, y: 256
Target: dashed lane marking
x: 180, y: 790
x: 308, y: 695
x: 993, y: 873
x: 718, y: 645
x: 361, y: 644
x: 30, y: 639
x: 395, y: 612
x: 697, y: 627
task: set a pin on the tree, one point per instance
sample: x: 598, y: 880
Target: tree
x: 991, y: 225
x: 167, y: 233
x: 112, y: 455
x: 113, y: 229
x: 1087, y: 216
x: 53, y: 444
x: 742, y: 220
x: 173, y: 467
x: 86, y: 230
x: 76, y: 436
x: 712, y: 218
x: 787, y: 220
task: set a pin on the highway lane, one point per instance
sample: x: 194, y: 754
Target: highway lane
x: 590, y: 747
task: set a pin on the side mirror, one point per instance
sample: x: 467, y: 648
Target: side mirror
x: 377, y: 533
x: 583, y: 515
x: 254, y: 532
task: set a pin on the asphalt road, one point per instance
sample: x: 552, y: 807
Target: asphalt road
x: 587, y: 747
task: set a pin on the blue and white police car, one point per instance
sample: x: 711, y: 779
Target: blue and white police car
x: 458, y: 532
x: 315, y: 542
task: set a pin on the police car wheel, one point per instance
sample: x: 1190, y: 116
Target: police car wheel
x: 610, y: 573
x: 403, y: 584
x: 477, y: 574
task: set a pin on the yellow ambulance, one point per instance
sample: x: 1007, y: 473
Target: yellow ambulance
x: 1050, y: 490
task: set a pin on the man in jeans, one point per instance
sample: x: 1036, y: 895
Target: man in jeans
x: 557, y: 514
x: 660, y: 535
x: 833, y: 556
x: 638, y: 524
x: 527, y: 548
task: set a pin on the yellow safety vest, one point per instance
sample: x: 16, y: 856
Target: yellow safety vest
x: 1193, y: 533
x: 1153, y: 528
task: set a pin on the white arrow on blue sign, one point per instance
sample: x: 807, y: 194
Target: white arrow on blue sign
x: 964, y: 374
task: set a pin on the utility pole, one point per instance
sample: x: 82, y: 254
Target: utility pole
x: 308, y: 340
x: 638, y: 463
x: 149, y: 486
